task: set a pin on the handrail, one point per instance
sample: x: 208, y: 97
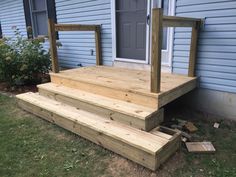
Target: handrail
x: 52, y: 28
x: 76, y: 27
x: 158, y: 22
x: 173, y: 21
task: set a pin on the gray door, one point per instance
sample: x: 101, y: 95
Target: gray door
x: 131, y: 29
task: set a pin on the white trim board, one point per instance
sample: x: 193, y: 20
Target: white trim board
x: 167, y: 54
x: 139, y: 66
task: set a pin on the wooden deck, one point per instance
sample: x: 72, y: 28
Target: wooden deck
x: 114, y: 108
x: 126, y: 84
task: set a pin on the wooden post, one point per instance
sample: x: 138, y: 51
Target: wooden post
x: 53, y: 46
x: 157, y: 31
x: 98, y: 46
x: 193, y: 50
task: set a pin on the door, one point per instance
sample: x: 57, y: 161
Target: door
x: 131, y: 29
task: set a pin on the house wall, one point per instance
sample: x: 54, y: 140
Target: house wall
x: 77, y: 46
x: 12, y: 14
x: 216, y: 62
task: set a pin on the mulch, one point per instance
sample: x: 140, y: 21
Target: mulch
x: 14, y: 90
x: 5, y: 87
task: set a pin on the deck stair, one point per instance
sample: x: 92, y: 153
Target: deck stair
x: 149, y: 149
x: 112, y: 107
x: 138, y: 116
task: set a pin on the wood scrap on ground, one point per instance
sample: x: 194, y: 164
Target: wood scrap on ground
x: 186, y: 135
x: 200, y: 147
x: 190, y: 127
x: 187, y: 129
x: 216, y: 125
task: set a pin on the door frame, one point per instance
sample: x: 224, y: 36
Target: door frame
x: 168, y: 53
x: 166, y: 66
x: 114, y: 53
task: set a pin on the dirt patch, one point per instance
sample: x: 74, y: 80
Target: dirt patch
x: 18, y: 89
x: 120, y: 167
x: 61, y: 136
x: 175, y: 162
x: 20, y: 114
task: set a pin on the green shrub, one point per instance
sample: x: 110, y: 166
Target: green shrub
x: 23, y: 61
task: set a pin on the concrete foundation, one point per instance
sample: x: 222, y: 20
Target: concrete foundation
x: 220, y: 104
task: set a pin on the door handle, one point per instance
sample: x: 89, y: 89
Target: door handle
x: 148, y: 20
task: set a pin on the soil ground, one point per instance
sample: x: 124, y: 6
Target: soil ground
x: 30, y: 146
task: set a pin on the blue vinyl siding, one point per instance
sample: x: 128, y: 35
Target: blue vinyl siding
x: 216, y: 63
x: 12, y: 15
x: 76, y: 46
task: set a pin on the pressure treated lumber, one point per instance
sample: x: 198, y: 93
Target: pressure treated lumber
x: 128, y: 85
x: 147, y: 149
x: 173, y: 21
x: 200, y: 147
x: 53, y: 46
x: 193, y: 52
x: 157, y: 30
x: 75, y: 27
x: 158, y: 22
x: 137, y: 116
x: 98, y: 46
x: 52, y: 28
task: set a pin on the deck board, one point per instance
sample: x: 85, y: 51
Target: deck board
x: 132, y: 81
x: 138, y: 116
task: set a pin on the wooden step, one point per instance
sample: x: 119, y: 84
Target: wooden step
x: 138, y: 116
x: 106, y: 89
x: 147, y: 149
x: 125, y: 84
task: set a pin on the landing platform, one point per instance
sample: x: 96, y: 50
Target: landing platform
x: 126, y: 84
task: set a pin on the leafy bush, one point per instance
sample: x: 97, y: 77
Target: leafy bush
x: 23, y: 61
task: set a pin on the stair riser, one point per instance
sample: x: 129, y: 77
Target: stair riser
x: 129, y: 96
x: 146, y: 125
x: 137, y: 155
x: 167, y: 151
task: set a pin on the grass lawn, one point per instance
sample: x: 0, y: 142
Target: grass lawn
x: 32, y: 147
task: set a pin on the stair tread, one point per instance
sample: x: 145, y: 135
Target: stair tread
x: 143, y: 140
x: 132, y: 109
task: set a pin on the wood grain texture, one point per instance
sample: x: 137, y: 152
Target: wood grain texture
x: 157, y: 30
x: 53, y: 46
x: 134, y: 115
x: 125, y: 84
x: 79, y: 27
x: 173, y: 21
x: 193, y: 52
x: 98, y: 46
x: 200, y: 147
x: 75, y: 27
x: 147, y: 149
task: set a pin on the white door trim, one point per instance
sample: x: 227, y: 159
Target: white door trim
x: 168, y: 53
x: 167, y: 66
x: 114, y: 54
